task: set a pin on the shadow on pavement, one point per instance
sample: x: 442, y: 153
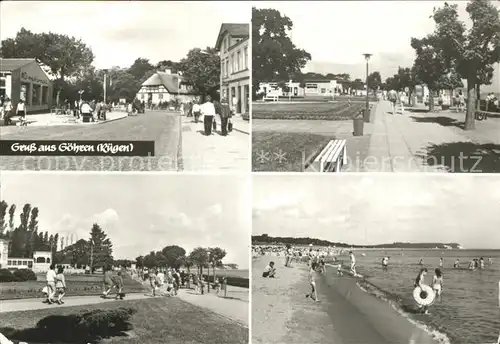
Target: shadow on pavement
x: 441, y: 120
x: 464, y: 157
x: 86, y: 327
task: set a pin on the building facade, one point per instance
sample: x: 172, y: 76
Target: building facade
x: 163, y: 86
x: 24, y: 79
x: 233, y: 47
x: 40, y: 262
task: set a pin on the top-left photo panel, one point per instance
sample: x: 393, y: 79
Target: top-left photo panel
x: 125, y: 86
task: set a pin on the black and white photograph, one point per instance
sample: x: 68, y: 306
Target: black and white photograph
x: 172, y: 73
x: 124, y: 258
x: 376, y: 86
x: 377, y: 259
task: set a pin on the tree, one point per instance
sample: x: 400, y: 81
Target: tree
x: 3, y: 222
x: 150, y: 260
x: 12, y: 212
x: 122, y: 85
x: 199, y: 257
x: 140, y: 67
x: 102, y: 248
x: 274, y: 56
x: 472, y: 50
x: 139, y: 261
x: 64, y: 55
x: 201, y: 70
x: 430, y: 64
x: 374, y: 81
x: 216, y: 256
x: 406, y: 78
x: 172, y: 254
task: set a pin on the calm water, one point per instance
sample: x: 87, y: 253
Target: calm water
x: 469, y: 313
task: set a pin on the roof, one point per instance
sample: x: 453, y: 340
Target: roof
x: 169, y: 81
x: 10, y: 65
x: 233, y: 29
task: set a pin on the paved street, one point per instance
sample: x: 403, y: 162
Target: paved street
x: 159, y: 126
x: 216, y: 152
x: 418, y: 141
x: 33, y: 304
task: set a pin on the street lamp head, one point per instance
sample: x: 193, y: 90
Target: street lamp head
x: 367, y: 56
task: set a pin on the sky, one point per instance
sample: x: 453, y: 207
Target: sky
x: 380, y: 208
x: 121, y: 31
x: 140, y: 212
x: 337, y: 33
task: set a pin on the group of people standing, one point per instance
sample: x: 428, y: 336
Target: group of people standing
x: 9, y: 110
x: 209, y: 110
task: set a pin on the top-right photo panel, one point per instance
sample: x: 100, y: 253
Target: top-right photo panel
x: 376, y: 86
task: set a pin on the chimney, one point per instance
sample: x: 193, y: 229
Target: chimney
x: 168, y: 71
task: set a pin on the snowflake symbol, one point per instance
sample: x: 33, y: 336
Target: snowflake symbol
x: 262, y: 157
x: 280, y: 156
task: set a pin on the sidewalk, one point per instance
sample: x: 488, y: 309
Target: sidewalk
x: 215, y: 152
x: 234, y: 307
x: 70, y: 301
x: 405, y: 143
x: 47, y: 119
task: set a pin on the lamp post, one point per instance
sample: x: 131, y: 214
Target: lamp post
x: 91, y: 255
x: 367, y: 108
x: 208, y: 284
x: 105, y: 83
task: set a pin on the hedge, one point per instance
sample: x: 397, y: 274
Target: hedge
x: 7, y: 276
x: 19, y: 275
x: 234, y: 281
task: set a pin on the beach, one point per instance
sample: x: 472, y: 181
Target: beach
x: 345, y: 314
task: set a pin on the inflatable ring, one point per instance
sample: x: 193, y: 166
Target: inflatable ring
x: 424, y: 296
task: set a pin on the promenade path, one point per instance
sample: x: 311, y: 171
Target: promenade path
x: 70, y: 301
x: 162, y: 127
x: 229, y: 153
x: 419, y: 141
x: 345, y: 314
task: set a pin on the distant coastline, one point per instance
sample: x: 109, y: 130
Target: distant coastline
x: 265, y: 239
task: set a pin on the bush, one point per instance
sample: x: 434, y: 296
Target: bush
x: 25, y: 275
x: 7, y: 276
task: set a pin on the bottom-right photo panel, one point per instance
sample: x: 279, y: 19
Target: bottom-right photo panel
x: 376, y: 259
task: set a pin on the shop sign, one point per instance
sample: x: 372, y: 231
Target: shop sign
x: 29, y: 78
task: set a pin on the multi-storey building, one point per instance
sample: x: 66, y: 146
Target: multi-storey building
x: 233, y: 47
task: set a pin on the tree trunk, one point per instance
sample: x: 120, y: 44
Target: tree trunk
x: 478, y: 96
x: 431, y: 101
x: 471, y: 104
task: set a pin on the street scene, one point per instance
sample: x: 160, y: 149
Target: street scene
x: 160, y: 263
x: 417, y: 93
x: 381, y: 259
x: 66, y: 80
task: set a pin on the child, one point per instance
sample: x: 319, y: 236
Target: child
x: 269, y: 271
x: 217, y: 286
x: 339, y: 269
x: 437, y: 284
x: 60, y: 285
x: 313, y: 294
x: 419, y: 282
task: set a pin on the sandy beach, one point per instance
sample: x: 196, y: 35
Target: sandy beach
x: 346, y: 314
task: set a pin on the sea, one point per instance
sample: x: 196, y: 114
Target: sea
x: 469, y: 312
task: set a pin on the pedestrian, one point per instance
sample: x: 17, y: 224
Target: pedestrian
x: 51, y: 284
x: 7, y: 109
x: 225, y: 116
x: 107, y: 282
x: 117, y: 283
x: 208, y: 111
x: 392, y: 95
x: 21, y: 112
x: 196, y: 110
x: 60, y: 285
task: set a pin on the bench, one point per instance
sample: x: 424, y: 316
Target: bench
x: 271, y: 97
x: 483, y: 115
x: 332, y: 157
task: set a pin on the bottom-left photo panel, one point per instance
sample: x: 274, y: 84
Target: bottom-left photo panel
x: 124, y: 258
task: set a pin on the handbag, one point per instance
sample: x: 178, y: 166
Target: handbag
x: 229, y: 125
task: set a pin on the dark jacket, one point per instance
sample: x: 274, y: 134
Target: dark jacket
x: 225, y: 111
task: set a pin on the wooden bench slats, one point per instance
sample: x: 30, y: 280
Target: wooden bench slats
x: 333, y: 155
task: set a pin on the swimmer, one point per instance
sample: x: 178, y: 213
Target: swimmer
x: 322, y: 264
x: 420, y: 282
x: 313, y: 294
x: 385, y: 263
x: 437, y: 284
x: 421, y: 261
x: 353, y: 263
x: 481, y: 263
x: 457, y: 263
x: 471, y: 265
x: 441, y: 262
x: 339, y: 269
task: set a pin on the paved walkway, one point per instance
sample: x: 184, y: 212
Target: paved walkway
x: 424, y: 142
x: 70, y: 301
x: 215, y: 152
x: 47, y: 119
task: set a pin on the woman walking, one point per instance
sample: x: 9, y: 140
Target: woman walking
x: 60, y: 285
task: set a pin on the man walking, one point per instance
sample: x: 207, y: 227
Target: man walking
x: 225, y: 115
x: 208, y: 111
x: 51, y: 284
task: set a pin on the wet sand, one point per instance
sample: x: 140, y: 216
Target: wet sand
x: 345, y: 314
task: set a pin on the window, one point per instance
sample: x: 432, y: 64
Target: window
x: 160, y: 96
x: 323, y: 90
x: 223, y: 68
x: 25, y: 262
x: 2, y: 82
x: 227, y: 67
x: 45, y: 95
x: 14, y: 262
x: 311, y: 85
x: 246, y: 58
x: 231, y: 61
x: 36, y: 93
x: 142, y: 96
x: 238, y: 58
x: 9, y: 262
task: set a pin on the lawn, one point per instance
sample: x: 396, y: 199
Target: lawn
x: 284, y: 151
x: 337, y: 111
x: 77, y: 285
x: 156, y: 320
